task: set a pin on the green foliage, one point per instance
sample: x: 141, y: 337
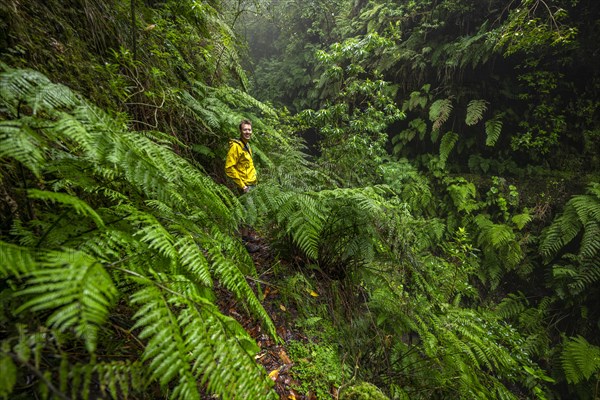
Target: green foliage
x: 430, y: 338
x: 530, y: 27
x: 581, y: 215
x: 334, y: 228
x: 363, y: 391
x: 580, y: 360
x: 111, y: 219
x: 439, y: 111
x: 493, y: 129
x: 317, y: 366
x: 357, y: 107
x: 446, y: 145
x: 475, y: 110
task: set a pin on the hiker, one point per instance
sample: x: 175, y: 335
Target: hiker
x: 239, y: 165
x: 240, y: 168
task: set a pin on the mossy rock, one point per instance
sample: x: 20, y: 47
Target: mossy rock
x: 363, y: 391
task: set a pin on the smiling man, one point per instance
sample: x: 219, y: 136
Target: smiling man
x: 239, y: 165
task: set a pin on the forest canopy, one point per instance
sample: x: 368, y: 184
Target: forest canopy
x: 428, y: 203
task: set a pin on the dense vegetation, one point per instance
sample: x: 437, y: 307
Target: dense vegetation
x: 429, y: 188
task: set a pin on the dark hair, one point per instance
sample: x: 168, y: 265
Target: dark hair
x: 245, y: 122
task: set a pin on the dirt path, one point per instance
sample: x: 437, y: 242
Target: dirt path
x: 273, y: 356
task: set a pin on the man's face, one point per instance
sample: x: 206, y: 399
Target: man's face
x: 246, y: 132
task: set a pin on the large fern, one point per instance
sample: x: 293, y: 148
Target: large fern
x: 333, y: 228
x: 113, y: 218
x: 572, y: 242
x: 580, y: 360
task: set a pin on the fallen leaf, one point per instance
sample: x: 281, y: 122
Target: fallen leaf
x: 314, y: 294
x: 274, y: 374
x: 267, y: 290
x: 282, y: 307
x: 284, y: 357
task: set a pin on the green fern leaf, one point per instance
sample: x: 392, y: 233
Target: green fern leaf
x: 15, y: 260
x: 447, y: 144
x: 520, y: 220
x: 493, y: 129
x: 193, y: 260
x: 580, y: 360
x: 439, y: 112
x: 18, y: 141
x: 80, y: 206
x: 581, y: 212
x: 475, y: 110
x: 76, y: 288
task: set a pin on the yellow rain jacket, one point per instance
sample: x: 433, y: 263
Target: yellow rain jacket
x: 239, y: 165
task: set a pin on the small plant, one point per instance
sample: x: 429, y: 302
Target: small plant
x: 316, y: 366
x: 363, y: 391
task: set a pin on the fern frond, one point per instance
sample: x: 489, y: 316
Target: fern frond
x: 232, y: 278
x: 153, y: 233
x: 166, y: 351
x: 34, y: 88
x: 80, y: 206
x: 520, y: 220
x: 581, y: 212
x: 21, y: 143
x: 439, y: 112
x: 197, y: 345
x: 446, y: 145
x: 475, y: 111
x: 512, y: 305
x: 76, y: 288
x: 493, y: 129
x: 15, y: 260
x: 193, y: 260
x: 579, y: 359
x: 463, y: 195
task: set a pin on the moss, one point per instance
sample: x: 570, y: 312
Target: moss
x: 363, y: 391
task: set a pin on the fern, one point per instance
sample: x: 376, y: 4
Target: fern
x: 197, y: 343
x: 475, y: 111
x: 20, y: 142
x: 15, y: 260
x: 580, y: 360
x: 80, y: 206
x: 447, y: 144
x: 473, y: 346
x: 76, y: 288
x: 137, y: 224
x: 493, y: 129
x: 500, y: 247
x: 439, y: 112
x: 580, y: 215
